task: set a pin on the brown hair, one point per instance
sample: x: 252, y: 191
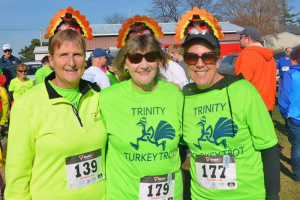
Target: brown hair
x: 295, y: 55
x: 45, y: 60
x: 66, y: 35
x: 19, y: 66
x: 139, y: 43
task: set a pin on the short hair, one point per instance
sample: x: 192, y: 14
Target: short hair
x: 174, y: 48
x: 287, y: 48
x: 295, y: 55
x: 145, y: 42
x: 204, y: 43
x: 19, y: 66
x: 45, y: 59
x: 66, y: 35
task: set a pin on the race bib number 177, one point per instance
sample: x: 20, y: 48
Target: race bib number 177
x: 84, y: 169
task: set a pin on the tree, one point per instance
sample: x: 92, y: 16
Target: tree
x: 259, y: 13
x: 27, y: 52
x: 116, y: 18
x: 288, y: 18
x: 171, y: 10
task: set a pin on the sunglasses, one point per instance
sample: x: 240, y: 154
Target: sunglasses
x: 207, y: 58
x: 7, y: 50
x: 21, y: 71
x: 243, y: 36
x: 136, y: 58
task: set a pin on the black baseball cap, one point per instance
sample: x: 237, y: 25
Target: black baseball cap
x: 210, y: 38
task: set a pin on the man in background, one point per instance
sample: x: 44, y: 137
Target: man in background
x: 257, y: 65
x: 284, y: 63
x: 94, y: 72
x: 8, y: 64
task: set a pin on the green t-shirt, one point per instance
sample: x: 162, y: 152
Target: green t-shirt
x: 72, y: 95
x: 19, y: 87
x: 209, y: 132
x: 113, y: 78
x: 41, y: 73
x: 144, y: 132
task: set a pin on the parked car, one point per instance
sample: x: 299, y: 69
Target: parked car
x: 227, y: 64
x: 32, y: 67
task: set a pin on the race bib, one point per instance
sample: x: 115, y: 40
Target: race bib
x: 285, y: 68
x: 84, y: 169
x: 216, y: 172
x: 157, y: 187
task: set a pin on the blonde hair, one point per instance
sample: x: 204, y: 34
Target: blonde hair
x: 66, y: 35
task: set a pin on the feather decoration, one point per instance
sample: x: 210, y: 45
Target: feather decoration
x: 197, y: 22
x: 69, y: 19
x: 138, y: 25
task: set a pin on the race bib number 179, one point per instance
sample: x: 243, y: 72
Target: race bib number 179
x: 157, y: 187
x: 84, y: 169
x: 216, y: 172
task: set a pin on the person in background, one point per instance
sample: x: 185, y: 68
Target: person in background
x: 3, y: 121
x: 111, y: 72
x: 19, y: 85
x: 284, y: 63
x: 57, y: 139
x: 94, y: 73
x: 289, y: 107
x: 140, y: 115
x: 175, y: 52
x: 234, y: 152
x: 257, y: 65
x: 44, y: 71
x: 174, y: 73
x: 8, y: 64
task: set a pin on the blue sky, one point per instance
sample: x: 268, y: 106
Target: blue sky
x: 33, y: 14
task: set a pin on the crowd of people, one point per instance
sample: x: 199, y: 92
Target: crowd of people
x: 118, y: 127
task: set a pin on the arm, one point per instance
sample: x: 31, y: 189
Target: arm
x: 246, y: 66
x: 10, y: 98
x: 284, y: 90
x: 271, y: 163
x: 20, y: 154
x: 103, y: 80
x: 4, y: 99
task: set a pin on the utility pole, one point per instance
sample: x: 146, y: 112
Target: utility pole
x: 41, y: 44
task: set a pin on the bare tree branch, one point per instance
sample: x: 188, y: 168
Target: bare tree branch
x: 116, y: 18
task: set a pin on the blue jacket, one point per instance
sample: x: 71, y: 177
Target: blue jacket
x: 289, y: 95
x: 9, y: 68
x: 283, y: 65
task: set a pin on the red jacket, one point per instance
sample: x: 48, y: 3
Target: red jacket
x: 258, y: 67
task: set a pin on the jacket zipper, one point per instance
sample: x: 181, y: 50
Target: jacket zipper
x: 76, y: 114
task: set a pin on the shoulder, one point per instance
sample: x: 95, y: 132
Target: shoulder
x: 168, y: 87
x: 29, y: 97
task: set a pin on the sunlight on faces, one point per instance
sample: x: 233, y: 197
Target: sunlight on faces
x: 21, y: 74
x: 143, y: 73
x: 204, y: 75
x: 68, y: 62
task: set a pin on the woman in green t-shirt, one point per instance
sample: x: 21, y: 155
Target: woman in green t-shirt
x: 234, y: 153
x: 140, y: 115
x: 19, y: 85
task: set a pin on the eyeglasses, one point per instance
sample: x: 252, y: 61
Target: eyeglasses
x: 243, y: 36
x: 7, y: 50
x: 21, y: 71
x: 207, y: 58
x: 138, y: 57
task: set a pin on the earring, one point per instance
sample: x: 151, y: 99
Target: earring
x: 126, y: 70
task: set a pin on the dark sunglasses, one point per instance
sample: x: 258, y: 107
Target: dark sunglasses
x: 22, y: 71
x: 138, y: 57
x: 207, y: 58
x: 7, y: 50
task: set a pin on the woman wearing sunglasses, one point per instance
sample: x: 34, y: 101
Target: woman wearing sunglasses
x: 19, y: 85
x: 225, y: 123
x: 140, y: 115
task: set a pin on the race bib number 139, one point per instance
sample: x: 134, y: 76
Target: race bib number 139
x: 84, y: 169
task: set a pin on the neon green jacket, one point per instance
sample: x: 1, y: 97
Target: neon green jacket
x: 45, y: 129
